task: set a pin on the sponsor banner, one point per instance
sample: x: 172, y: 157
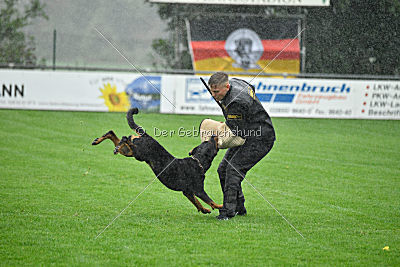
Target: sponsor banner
x: 184, y: 94
x: 245, y: 44
x: 305, y: 98
x: 79, y: 91
x: 251, y: 2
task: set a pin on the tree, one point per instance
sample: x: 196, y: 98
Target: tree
x: 348, y: 37
x: 16, y: 46
x: 173, y: 53
x: 354, y: 37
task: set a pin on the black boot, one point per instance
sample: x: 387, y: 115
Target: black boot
x: 240, y: 209
x: 228, y: 210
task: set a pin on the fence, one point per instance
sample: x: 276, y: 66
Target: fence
x: 192, y: 72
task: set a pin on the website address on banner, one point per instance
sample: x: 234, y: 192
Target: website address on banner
x: 68, y: 104
x: 315, y: 99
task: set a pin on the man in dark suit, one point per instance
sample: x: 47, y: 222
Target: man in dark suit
x: 247, y: 118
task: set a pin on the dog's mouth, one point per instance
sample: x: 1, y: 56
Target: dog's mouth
x: 124, y: 147
x: 213, y: 140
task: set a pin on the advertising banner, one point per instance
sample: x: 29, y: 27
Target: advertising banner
x: 185, y: 94
x: 80, y: 91
x: 305, y: 98
x: 245, y: 44
x: 251, y: 2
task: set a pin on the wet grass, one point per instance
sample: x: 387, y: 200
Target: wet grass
x: 336, y: 181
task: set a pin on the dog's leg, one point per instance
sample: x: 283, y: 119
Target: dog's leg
x: 203, y: 196
x: 109, y: 135
x: 196, y: 203
x: 215, y: 205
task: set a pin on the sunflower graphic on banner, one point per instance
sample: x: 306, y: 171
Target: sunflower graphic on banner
x: 244, y: 44
x: 117, y: 102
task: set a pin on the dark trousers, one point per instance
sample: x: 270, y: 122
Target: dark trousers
x: 233, y: 168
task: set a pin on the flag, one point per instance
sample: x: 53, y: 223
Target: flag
x: 245, y: 44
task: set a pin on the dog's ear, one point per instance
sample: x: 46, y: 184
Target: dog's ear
x: 192, y: 151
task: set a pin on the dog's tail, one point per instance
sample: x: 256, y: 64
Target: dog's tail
x: 129, y: 116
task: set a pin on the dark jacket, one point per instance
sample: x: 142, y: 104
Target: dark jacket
x: 244, y: 113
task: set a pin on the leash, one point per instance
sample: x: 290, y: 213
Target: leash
x: 198, y: 162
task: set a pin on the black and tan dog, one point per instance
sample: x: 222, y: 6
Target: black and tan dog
x: 186, y: 175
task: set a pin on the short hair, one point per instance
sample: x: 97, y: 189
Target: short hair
x: 218, y: 78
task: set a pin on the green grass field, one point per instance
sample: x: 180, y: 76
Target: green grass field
x: 336, y: 181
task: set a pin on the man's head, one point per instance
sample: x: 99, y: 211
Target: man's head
x: 219, y: 85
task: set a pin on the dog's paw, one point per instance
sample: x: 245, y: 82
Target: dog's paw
x: 116, y: 150
x: 205, y: 211
x: 216, y: 206
x: 95, y: 142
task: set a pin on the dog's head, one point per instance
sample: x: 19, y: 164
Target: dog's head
x: 206, y: 152
x: 124, y: 147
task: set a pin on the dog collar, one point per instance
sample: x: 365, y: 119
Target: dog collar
x: 198, y: 161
